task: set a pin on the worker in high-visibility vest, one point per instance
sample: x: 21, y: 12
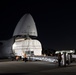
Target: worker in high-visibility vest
x: 17, y: 58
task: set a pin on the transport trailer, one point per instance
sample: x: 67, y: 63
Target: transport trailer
x: 52, y: 59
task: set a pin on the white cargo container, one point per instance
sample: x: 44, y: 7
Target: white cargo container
x: 29, y: 47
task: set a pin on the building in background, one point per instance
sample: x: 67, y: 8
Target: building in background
x: 67, y: 51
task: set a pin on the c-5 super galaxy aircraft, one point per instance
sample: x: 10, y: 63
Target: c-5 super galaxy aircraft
x: 22, y: 43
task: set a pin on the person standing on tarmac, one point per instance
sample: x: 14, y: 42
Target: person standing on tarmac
x: 67, y: 58
x: 59, y: 59
x: 25, y: 57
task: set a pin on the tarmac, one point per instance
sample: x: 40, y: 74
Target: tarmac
x: 67, y: 68
x: 63, y: 70
x: 41, y: 68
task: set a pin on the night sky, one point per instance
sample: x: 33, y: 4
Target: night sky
x: 55, y: 21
